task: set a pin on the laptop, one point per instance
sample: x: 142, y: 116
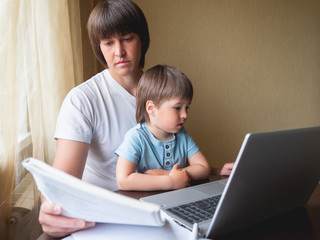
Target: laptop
x: 274, y: 172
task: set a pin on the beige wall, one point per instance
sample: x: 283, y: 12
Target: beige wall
x: 254, y: 65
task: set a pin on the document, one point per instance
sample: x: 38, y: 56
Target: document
x: 82, y: 200
x: 104, y: 231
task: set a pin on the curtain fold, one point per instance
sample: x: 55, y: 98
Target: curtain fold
x: 41, y: 60
x: 57, y: 68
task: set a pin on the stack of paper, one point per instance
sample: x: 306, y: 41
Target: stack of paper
x: 89, y: 202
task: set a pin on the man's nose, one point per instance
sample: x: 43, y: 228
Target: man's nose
x: 119, y: 49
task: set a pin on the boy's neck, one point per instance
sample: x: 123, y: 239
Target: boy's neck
x: 159, y: 134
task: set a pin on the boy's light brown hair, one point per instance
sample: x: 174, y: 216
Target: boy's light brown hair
x: 158, y: 84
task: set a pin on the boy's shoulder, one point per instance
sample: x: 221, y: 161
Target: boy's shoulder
x: 135, y: 131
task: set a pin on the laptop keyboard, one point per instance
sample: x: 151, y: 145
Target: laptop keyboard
x: 197, y: 211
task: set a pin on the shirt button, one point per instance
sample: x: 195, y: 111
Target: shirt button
x: 167, y: 146
x: 168, y: 154
x: 168, y: 163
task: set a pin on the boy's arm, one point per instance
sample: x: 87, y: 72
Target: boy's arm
x: 128, y: 179
x: 199, y: 167
x: 157, y: 171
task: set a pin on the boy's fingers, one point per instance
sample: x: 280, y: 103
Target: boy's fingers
x: 176, y: 166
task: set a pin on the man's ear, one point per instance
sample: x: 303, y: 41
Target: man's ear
x: 150, y: 107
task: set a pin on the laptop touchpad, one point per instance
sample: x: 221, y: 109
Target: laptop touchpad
x: 212, y: 189
x: 174, y: 198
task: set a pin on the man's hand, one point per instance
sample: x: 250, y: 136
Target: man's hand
x: 56, y: 225
x: 226, y: 169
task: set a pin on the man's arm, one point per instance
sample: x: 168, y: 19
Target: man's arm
x: 70, y: 157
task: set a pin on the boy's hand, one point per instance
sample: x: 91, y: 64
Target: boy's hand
x: 180, y: 178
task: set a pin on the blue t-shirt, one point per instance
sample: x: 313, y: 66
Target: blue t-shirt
x: 143, y: 149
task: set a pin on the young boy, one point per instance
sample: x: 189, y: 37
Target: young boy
x: 158, y: 153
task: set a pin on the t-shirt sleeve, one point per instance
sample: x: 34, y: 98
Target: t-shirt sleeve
x: 74, y: 121
x: 192, y: 146
x: 130, y: 148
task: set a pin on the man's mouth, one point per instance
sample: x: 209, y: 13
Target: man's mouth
x: 122, y: 62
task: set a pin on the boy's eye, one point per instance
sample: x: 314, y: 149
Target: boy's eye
x: 177, y: 108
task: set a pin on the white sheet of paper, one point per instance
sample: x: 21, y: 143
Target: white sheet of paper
x: 170, y: 230
x: 89, y: 202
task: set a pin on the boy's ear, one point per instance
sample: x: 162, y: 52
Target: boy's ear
x: 150, y: 107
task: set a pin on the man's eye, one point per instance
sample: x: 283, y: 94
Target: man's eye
x: 128, y: 39
x: 109, y: 43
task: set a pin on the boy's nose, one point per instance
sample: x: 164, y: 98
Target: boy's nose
x: 184, y: 114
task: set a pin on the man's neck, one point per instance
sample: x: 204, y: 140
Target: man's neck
x: 129, y: 82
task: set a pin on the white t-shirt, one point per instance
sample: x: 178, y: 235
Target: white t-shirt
x: 99, y: 112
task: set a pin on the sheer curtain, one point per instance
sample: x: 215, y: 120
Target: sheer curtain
x: 41, y: 60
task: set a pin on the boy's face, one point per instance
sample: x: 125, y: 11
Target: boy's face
x: 170, y: 116
x: 122, y: 54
